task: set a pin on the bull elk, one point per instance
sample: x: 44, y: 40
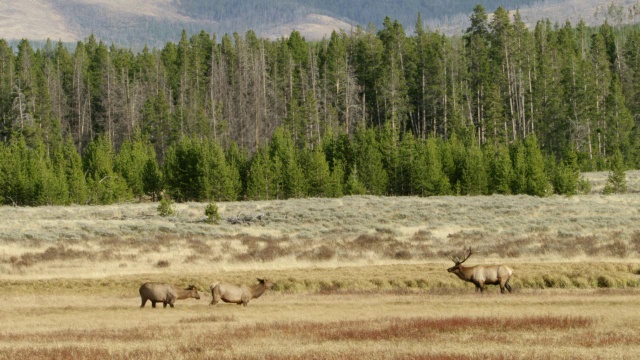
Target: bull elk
x: 481, y: 275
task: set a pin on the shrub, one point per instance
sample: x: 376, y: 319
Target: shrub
x: 605, y: 281
x: 211, y: 211
x: 166, y: 207
x: 162, y: 264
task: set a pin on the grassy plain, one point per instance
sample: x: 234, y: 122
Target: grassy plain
x: 356, y: 277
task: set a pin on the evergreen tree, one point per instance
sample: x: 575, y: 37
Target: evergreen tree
x: 288, y: 175
x: 537, y: 183
x: 410, y: 167
x: 317, y: 173
x: 474, y: 179
x: 131, y: 160
x: 353, y: 185
x: 567, y: 178
x: 617, y: 179
x: 435, y: 181
x: 74, y: 173
x: 105, y: 185
x: 519, y: 175
x: 335, y: 186
x: 260, y: 182
x: 238, y: 161
x: 368, y: 163
x: 218, y: 182
x: 151, y: 179
x: 501, y: 172
x: 184, y: 171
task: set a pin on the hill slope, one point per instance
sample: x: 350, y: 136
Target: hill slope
x: 137, y: 22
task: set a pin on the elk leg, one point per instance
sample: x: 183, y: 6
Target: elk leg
x: 164, y: 304
x: 144, y: 301
x: 153, y: 304
x: 508, y: 286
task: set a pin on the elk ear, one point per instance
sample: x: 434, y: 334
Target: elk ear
x: 261, y: 281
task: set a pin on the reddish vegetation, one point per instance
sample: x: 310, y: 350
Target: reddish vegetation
x: 412, y: 328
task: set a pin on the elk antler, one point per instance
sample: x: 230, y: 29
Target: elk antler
x: 468, y: 253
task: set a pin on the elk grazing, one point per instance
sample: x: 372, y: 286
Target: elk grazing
x: 165, y: 293
x: 481, y: 275
x: 238, y: 294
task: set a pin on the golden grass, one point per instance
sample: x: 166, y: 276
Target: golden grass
x: 558, y: 324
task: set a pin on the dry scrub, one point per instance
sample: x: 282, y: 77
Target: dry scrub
x: 133, y: 238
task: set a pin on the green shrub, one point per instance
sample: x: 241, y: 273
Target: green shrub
x: 211, y: 211
x: 166, y: 207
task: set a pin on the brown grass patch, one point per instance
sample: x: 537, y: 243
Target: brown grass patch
x: 136, y: 334
x: 208, y: 319
x: 410, y: 328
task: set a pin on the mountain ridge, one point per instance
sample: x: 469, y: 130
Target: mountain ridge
x: 136, y: 23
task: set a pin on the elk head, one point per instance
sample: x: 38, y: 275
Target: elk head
x: 194, y: 291
x: 468, y: 252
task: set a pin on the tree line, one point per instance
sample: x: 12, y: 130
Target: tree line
x: 368, y: 162
x: 501, y: 109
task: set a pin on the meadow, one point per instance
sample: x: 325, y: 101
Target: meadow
x: 355, y: 277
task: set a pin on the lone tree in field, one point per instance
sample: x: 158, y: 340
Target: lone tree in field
x: 617, y: 181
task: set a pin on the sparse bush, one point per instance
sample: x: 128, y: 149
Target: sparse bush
x: 322, y: 253
x: 635, y: 241
x: 557, y: 281
x: 606, y: 281
x: 211, y: 211
x: 617, y: 248
x: 162, y: 264
x: 403, y: 255
x: 166, y: 207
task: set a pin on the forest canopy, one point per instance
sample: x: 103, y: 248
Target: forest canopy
x: 501, y: 109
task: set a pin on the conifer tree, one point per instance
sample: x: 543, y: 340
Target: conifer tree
x: 436, y: 182
x: 238, y: 161
x: 368, y: 163
x: 317, y: 173
x: 74, y: 174
x: 617, y: 179
x: 131, y: 160
x: 151, y: 179
x: 519, y: 175
x: 184, y: 171
x: 410, y: 167
x: 335, y: 186
x: 353, y: 185
x: 218, y: 182
x: 474, y: 173
x: 501, y: 171
x: 537, y: 182
x: 260, y: 183
x: 288, y: 175
x: 105, y: 185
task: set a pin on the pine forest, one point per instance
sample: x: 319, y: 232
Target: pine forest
x: 501, y: 109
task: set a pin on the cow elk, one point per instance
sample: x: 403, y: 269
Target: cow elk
x: 481, y: 275
x: 238, y: 294
x: 165, y: 293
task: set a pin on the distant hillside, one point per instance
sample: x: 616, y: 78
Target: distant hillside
x: 154, y: 22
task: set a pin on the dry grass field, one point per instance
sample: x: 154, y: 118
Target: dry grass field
x: 355, y: 277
